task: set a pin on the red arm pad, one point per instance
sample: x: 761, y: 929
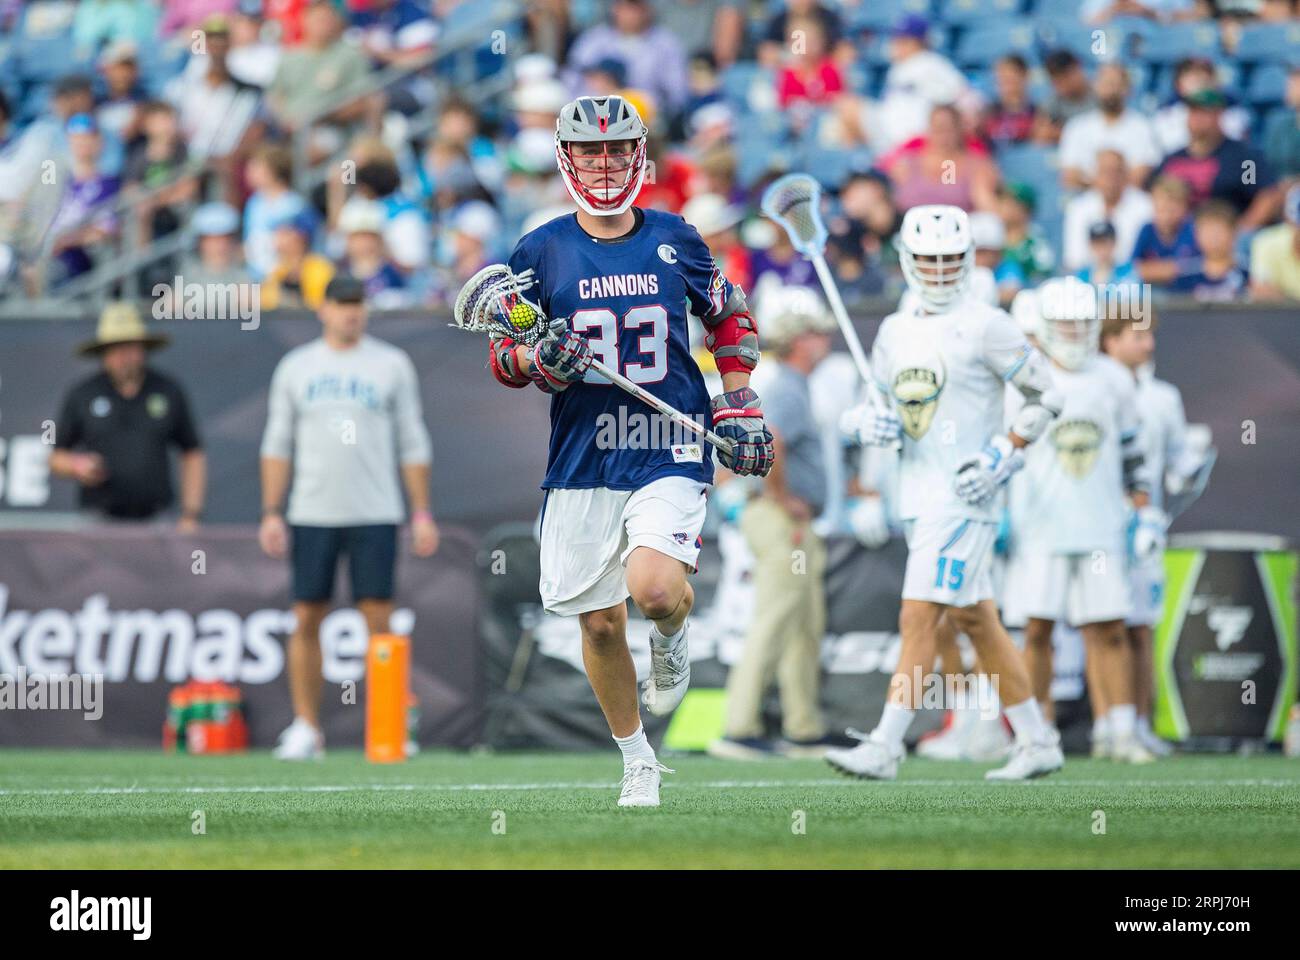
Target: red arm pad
x: 733, y: 341
x: 504, y: 364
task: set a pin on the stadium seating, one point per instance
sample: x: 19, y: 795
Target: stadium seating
x: 982, y: 45
x: 959, y: 13
x: 880, y: 15
x: 1269, y: 43
x: 1176, y: 41
x: 1267, y: 84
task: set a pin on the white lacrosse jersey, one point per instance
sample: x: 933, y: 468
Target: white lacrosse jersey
x: 944, y: 374
x: 1070, y: 496
x: 1164, y: 429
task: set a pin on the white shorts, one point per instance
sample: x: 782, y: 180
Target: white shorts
x: 949, y: 560
x: 1146, y: 581
x: 1069, y: 587
x: 588, y: 534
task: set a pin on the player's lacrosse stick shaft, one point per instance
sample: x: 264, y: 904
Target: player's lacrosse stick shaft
x: 672, y: 413
x: 841, y: 315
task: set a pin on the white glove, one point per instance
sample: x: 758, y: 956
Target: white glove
x: 867, y: 520
x: 979, y: 477
x: 867, y: 424
x: 1149, y: 529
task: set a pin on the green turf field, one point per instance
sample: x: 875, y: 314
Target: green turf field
x: 128, y: 809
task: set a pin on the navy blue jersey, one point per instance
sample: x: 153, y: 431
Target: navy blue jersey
x: 630, y: 299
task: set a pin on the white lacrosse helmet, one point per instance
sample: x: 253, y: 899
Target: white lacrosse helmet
x: 1024, y: 310
x: 784, y: 312
x: 601, y: 120
x: 936, y: 252
x: 1070, y: 331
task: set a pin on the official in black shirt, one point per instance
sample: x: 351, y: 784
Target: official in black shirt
x: 115, y: 428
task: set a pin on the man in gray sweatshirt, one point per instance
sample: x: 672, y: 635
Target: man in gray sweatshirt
x: 345, y: 420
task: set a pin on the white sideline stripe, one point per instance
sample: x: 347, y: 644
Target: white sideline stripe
x: 708, y: 784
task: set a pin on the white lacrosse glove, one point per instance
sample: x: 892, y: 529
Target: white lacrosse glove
x: 868, y: 424
x: 1147, y: 532
x: 868, y: 521
x: 980, y: 476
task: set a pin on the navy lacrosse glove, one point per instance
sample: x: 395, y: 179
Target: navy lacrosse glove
x: 738, y: 417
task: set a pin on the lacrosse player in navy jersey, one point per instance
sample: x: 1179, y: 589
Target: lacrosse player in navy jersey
x: 624, y: 490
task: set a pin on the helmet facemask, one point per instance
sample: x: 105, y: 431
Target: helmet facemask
x: 603, y: 177
x: 937, y: 279
x: 1071, y: 342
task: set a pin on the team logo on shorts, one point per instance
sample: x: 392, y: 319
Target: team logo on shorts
x: 916, y: 391
x: 1077, y: 442
x: 681, y: 537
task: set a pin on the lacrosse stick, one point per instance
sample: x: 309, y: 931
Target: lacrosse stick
x: 492, y: 302
x: 792, y: 201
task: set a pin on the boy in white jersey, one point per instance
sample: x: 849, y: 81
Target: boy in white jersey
x: 1070, y: 513
x: 1170, y: 457
x: 938, y: 372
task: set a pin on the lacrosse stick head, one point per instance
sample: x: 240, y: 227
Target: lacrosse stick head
x: 794, y: 202
x: 492, y: 302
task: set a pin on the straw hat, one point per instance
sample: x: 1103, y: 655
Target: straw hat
x: 121, y: 323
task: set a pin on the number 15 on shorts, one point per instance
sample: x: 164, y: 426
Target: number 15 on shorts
x: 950, y: 573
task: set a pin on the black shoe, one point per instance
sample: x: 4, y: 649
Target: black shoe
x: 814, y: 748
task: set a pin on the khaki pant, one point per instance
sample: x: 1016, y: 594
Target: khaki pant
x: 785, y: 635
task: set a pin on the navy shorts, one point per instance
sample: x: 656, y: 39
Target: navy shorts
x: 372, y: 554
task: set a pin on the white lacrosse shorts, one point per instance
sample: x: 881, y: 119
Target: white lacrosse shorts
x: 588, y: 534
x: 1146, y: 582
x: 949, y: 560
x: 1074, y: 588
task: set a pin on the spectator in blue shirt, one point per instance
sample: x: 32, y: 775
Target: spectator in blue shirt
x: 1165, y: 252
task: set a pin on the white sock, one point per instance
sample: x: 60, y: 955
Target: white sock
x: 1123, y: 720
x: 659, y: 640
x: 1101, y: 728
x: 1144, y: 727
x: 1027, y: 720
x: 894, y: 721
x: 635, y: 746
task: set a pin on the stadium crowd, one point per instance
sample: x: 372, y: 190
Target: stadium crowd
x: 1147, y: 140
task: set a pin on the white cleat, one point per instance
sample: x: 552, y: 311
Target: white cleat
x: 670, y: 675
x: 870, y: 760
x: 1031, y: 759
x: 641, y: 783
x: 300, y: 741
x: 1101, y: 747
x: 1130, y: 750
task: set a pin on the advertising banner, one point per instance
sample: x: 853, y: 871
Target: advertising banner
x: 127, y: 613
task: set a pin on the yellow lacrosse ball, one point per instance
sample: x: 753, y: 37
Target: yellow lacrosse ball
x: 522, y: 316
